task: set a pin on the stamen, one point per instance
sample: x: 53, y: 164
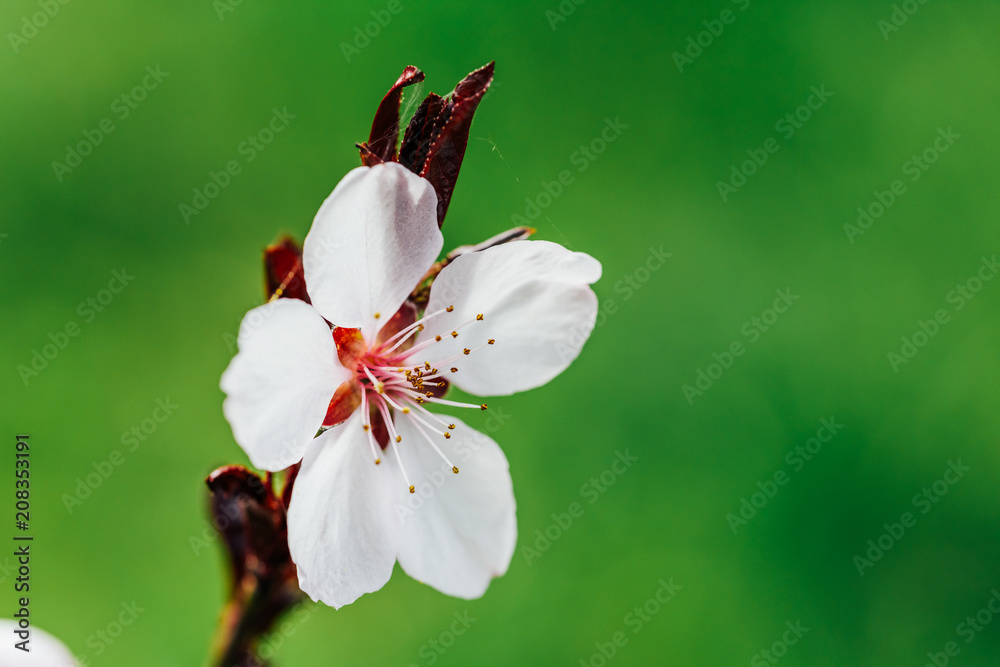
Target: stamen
x: 385, y: 397
x: 388, y: 419
x: 395, y: 450
x: 455, y: 404
x: 368, y: 428
x: 395, y: 438
x: 379, y: 386
x: 419, y: 419
x: 464, y: 352
x: 421, y: 346
x: 410, y: 330
x: 433, y: 416
x: 437, y: 449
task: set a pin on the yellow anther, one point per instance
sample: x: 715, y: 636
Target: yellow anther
x: 454, y: 469
x: 491, y: 341
x: 399, y: 438
x: 482, y: 407
x: 377, y: 461
x: 466, y: 351
x: 378, y: 315
x: 447, y: 435
x: 366, y: 427
x: 454, y: 334
x: 479, y: 316
x: 412, y: 489
x: 454, y: 370
x: 427, y: 365
x: 406, y: 411
x: 420, y: 327
x: 437, y: 338
x: 420, y: 399
x: 451, y: 426
x: 450, y: 308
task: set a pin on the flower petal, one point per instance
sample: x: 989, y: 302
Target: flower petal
x: 279, y: 384
x: 459, y: 531
x: 371, y: 242
x: 343, y: 531
x: 537, y: 305
x: 46, y: 650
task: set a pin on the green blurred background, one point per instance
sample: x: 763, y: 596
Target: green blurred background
x: 139, y: 536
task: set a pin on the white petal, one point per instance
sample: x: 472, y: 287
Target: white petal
x: 371, y: 242
x: 45, y: 650
x: 343, y: 530
x: 459, y: 531
x: 279, y: 384
x: 537, y: 305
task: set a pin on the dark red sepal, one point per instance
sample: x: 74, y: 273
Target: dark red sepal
x: 345, y: 401
x: 350, y: 346
x: 404, y: 317
x: 379, y: 429
x: 381, y: 146
x: 283, y: 273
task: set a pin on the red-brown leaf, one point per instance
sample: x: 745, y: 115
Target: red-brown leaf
x: 420, y: 133
x: 381, y: 146
x: 444, y: 159
x: 283, y: 274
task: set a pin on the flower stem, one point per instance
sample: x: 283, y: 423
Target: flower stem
x: 252, y: 522
x: 247, y: 617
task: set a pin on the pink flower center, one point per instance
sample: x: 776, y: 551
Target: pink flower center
x: 396, y: 382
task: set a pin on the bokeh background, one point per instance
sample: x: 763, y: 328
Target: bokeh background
x: 142, y: 536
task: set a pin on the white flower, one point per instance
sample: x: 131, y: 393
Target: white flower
x: 498, y: 321
x: 44, y: 650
